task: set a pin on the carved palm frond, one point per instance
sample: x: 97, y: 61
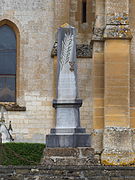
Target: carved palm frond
x: 67, y: 44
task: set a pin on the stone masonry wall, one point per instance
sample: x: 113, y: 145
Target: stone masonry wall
x: 61, y: 12
x: 132, y: 67
x: 85, y: 91
x: 84, y: 30
x: 67, y: 172
x: 37, y: 23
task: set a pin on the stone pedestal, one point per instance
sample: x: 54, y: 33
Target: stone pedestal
x: 68, y: 132
x: 72, y: 139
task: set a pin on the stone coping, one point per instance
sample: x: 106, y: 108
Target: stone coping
x: 13, y: 107
x: 42, y: 167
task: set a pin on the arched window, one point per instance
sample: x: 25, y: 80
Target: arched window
x: 7, y: 64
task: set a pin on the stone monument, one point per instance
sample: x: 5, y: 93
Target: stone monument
x: 68, y: 132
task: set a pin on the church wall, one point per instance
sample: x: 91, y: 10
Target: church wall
x: 85, y: 92
x: 35, y: 21
x: 98, y: 76
x: 85, y: 65
x: 132, y: 69
x: 61, y: 12
x: 104, y: 113
x: 84, y: 29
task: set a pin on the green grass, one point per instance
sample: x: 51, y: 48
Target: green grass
x: 21, y: 153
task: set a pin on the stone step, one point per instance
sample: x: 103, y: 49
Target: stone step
x: 67, y: 173
x: 69, y: 156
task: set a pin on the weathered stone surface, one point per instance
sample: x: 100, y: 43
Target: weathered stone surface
x: 98, y: 34
x: 14, y: 107
x: 117, y: 18
x: 118, y: 147
x: 67, y: 173
x: 58, y: 139
x: 61, y: 152
x: 69, y: 156
x: 82, y: 50
x: 119, y: 31
x: 97, y: 140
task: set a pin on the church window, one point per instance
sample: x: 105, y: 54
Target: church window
x: 7, y: 64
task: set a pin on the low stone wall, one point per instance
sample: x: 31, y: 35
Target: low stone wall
x: 67, y: 173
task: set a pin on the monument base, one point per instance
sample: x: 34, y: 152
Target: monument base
x: 68, y: 137
x: 69, y: 156
x: 75, y: 140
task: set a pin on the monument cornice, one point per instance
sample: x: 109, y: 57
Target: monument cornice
x: 72, y: 103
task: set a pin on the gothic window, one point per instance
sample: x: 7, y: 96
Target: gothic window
x: 7, y: 64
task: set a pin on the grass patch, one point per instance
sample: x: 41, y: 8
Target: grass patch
x: 21, y: 153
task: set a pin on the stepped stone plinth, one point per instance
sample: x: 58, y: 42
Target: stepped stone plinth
x: 70, y: 156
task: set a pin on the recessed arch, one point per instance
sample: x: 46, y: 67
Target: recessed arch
x: 12, y: 51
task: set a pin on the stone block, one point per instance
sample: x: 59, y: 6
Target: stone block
x: 98, y: 70
x: 98, y: 122
x: 98, y: 112
x: 69, y: 156
x: 116, y: 121
x: 86, y: 152
x: 132, y: 112
x: 98, y: 82
x: 117, y: 178
x: 98, y: 93
x: 116, y: 110
x: 69, y: 152
x: 132, y: 99
x: 117, y: 32
x: 114, y: 70
x: 113, y: 82
x: 97, y: 140
x: 116, y: 6
x: 98, y: 58
x: 132, y: 122
x: 118, y: 148
x: 67, y: 140
x: 61, y: 7
x: 98, y: 102
x: 116, y: 101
